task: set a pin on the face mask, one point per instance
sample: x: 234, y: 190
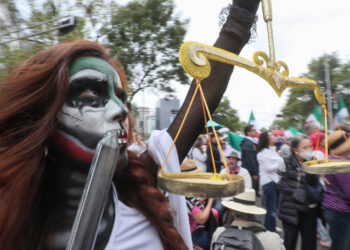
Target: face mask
x: 307, y: 155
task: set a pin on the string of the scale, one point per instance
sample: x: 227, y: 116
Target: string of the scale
x: 205, y: 112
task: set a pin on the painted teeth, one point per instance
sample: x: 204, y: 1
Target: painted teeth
x: 120, y: 132
x: 121, y: 141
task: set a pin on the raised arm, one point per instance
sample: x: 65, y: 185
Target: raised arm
x: 233, y: 36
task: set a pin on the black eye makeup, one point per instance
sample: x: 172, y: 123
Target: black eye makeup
x: 88, y: 92
x: 121, y: 94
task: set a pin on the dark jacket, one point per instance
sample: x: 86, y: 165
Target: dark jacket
x: 217, y: 159
x: 288, y: 206
x: 249, y: 159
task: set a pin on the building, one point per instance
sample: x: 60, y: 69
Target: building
x: 166, y: 110
x: 145, y: 121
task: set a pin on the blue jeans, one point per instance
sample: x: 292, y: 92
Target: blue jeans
x: 201, y: 238
x: 270, y: 202
x: 339, y: 228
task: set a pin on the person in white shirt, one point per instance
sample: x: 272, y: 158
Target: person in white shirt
x: 232, y: 163
x: 270, y: 162
x: 234, y: 168
x: 199, y: 155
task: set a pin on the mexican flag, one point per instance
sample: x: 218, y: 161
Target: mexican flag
x: 234, y: 140
x: 291, y: 132
x: 341, y: 113
x: 253, y: 121
x: 315, y: 117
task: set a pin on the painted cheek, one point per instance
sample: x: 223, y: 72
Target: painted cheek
x: 93, y: 120
x: 114, y: 112
x: 87, y: 119
x: 97, y: 121
x: 70, y: 117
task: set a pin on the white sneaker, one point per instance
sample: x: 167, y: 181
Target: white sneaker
x: 279, y: 230
x: 326, y: 244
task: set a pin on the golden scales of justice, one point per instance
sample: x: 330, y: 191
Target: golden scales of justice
x: 194, y: 60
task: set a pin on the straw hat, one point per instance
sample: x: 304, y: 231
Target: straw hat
x: 244, y: 203
x: 190, y: 166
x: 234, y: 155
x: 337, y: 143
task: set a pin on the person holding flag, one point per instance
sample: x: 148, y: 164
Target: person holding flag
x: 249, y: 155
x: 253, y: 122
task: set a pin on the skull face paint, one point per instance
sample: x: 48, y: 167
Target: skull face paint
x: 95, y: 103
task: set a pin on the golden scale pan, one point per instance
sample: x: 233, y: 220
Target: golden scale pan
x: 194, y: 60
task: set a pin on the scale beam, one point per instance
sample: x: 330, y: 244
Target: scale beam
x: 194, y: 60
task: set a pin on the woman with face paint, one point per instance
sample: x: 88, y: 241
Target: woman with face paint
x: 300, y: 195
x: 55, y: 108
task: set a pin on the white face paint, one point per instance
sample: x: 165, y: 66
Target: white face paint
x: 89, y: 111
x: 90, y: 119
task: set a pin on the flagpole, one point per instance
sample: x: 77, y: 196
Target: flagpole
x: 328, y: 86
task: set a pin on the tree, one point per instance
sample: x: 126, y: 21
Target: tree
x: 146, y: 36
x: 301, y: 101
x: 13, y: 53
x: 227, y: 116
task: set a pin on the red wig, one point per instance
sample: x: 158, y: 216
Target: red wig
x: 30, y: 100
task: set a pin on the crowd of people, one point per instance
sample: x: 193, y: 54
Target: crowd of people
x: 315, y: 206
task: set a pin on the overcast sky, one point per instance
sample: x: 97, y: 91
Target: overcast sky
x: 302, y: 30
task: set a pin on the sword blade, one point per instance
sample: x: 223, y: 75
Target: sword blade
x: 93, y: 200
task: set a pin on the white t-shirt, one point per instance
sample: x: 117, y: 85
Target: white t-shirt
x: 131, y: 229
x: 200, y: 159
x: 245, y: 174
x: 269, y: 163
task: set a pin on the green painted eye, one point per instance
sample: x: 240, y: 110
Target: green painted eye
x: 102, y: 66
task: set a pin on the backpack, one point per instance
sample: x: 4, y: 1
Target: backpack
x: 233, y: 238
